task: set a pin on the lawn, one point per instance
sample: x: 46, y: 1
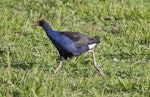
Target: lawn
x: 28, y: 58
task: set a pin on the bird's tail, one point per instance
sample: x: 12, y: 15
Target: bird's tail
x: 96, y: 39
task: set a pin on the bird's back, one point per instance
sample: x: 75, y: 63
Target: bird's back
x: 81, y: 39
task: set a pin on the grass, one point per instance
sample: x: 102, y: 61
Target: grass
x: 27, y: 58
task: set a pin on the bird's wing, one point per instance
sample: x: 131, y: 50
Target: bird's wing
x: 80, y: 39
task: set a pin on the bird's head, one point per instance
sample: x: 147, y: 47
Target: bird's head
x: 40, y: 22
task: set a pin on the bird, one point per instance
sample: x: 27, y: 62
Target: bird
x: 70, y: 44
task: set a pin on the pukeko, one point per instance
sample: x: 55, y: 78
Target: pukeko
x: 70, y: 43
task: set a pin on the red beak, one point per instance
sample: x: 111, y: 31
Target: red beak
x: 36, y: 23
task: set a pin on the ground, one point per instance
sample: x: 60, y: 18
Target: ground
x: 28, y: 58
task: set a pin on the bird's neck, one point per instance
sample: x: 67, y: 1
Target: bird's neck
x: 49, y: 31
x: 47, y: 28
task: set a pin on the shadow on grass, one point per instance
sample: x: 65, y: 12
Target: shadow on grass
x: 24, y: 66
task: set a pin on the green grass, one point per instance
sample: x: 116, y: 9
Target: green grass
x: 28, y: 58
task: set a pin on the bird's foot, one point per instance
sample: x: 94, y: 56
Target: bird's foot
x: 100, y: 71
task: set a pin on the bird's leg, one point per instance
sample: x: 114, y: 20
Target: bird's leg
x: 95, y: 64
x: 59, y: 66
